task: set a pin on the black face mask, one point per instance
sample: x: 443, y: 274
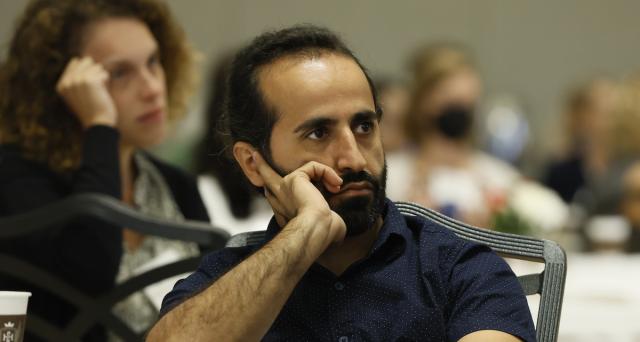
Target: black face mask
x: 455, y: 121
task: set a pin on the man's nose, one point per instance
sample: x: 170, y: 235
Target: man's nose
x: 348, y: 154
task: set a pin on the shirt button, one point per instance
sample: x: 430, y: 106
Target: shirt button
x: 339, y: 286
x: 343, y: 339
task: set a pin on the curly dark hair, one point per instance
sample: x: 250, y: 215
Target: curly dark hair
x: 47, y: 36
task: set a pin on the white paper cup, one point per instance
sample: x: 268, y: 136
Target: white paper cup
x: 14, y: 303
x: 13, y: 315
x: 608, y: 232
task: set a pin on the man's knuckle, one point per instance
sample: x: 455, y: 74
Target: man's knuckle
x: 314, y: 164
x: 288, y: 178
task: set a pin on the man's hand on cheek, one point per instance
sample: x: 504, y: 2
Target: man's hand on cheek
x: 295, y: 194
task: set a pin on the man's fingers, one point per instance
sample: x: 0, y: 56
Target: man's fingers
x: 275, y: 203
x: 312, y: 171
x: 322, y: 173
x: 271, y: 178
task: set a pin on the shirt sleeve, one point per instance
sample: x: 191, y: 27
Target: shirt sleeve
x: 213, y: 266
x: 99, y: 169
x: 486, y: 295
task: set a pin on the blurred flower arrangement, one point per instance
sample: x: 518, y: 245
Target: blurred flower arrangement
x: 530, y: 209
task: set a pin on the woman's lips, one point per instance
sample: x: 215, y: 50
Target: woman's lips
x: 152, y: 116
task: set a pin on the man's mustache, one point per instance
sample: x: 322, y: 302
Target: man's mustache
x: 351, y: 177
x: 347, y: 177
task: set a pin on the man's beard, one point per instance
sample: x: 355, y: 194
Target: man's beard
x: 359, y: 213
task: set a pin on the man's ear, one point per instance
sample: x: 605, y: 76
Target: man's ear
x: 243, y: 152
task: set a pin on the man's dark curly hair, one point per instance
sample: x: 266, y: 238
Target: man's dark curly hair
x: 249, y: 118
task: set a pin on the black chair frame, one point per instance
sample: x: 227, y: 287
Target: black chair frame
x: 91, y: 310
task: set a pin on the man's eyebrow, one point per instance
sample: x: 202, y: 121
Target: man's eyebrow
x: 365, y: 115
x: 314, y: 123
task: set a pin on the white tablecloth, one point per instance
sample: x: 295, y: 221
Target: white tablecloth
x: 601, y: 299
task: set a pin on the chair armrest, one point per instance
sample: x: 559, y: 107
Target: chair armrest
x: 109, y: 210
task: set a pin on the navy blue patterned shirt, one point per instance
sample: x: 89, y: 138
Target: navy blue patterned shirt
x: 420, y: 282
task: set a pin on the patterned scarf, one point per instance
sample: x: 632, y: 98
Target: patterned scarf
x: 151, y: 196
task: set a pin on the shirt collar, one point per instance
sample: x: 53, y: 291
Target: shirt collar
x: 394, y: 232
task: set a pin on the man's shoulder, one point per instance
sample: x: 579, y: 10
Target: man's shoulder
x: 430, y: 234
x: 480, y: 290
x: 438, y: 245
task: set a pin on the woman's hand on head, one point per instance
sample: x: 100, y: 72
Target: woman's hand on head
x: 83, y: 86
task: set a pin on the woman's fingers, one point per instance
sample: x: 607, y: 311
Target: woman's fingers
x: 83, y: 87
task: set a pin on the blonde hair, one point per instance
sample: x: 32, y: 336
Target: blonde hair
x: 429, y: 66
x: 47, y: 36
x: 624, y: 129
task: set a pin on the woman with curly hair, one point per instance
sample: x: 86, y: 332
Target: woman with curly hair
x: 85, y: 87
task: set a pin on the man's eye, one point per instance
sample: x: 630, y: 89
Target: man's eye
x: 364, y: 127
x: 317, y: 134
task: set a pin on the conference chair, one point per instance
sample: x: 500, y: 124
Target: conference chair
x: 92, y: 311
x: 549, y: 283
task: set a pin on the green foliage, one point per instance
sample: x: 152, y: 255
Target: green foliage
x: 508, y: 221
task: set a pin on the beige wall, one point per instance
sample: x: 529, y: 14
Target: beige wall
x: 533, y: 49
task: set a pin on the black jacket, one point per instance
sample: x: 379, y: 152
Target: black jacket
x: 86, y: 254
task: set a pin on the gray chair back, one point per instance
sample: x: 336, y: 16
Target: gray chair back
x: 98, y: 311
x: 549, y: 283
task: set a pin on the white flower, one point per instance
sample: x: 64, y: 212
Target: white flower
x: 539, y: 206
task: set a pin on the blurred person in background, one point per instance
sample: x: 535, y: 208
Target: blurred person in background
x: 394, y: 100
x: 85, y: 88
x: 232, y: 203
x: 584, y: 154
x: 630, y: 206
x: 616, y: 192
x: 444, y: 170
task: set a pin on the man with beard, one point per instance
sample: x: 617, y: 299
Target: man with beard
x: 339, y: 263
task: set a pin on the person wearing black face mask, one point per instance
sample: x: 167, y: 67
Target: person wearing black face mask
x: 454, y: 121
x: 445, y: 171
